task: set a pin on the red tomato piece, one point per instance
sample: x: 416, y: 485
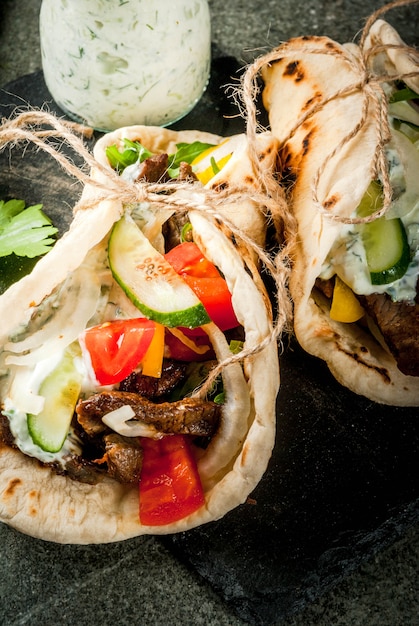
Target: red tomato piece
x: 116, y: 348
x: 188, y: 258
x: 206, y: 281
x: 170, y: 486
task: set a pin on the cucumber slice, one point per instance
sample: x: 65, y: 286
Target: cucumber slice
x: 387, y: 250
x: 150, y: 281
x: 385, y: 240
x: 61, y: 389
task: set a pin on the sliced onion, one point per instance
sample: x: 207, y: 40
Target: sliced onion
x: 235, y: 413
x: 76, y: 304
x: 118, y: 420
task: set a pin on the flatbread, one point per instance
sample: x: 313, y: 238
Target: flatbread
x: 314, y: 105
x: 36, y: 501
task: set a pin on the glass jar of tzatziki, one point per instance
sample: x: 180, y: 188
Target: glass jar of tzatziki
x: 112, y: 63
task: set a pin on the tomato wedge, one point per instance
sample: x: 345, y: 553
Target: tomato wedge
x: 206, y: 281
x: 116, y: 348
x: 170, y: 486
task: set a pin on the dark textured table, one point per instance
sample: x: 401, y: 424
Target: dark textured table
x: 334, y: 537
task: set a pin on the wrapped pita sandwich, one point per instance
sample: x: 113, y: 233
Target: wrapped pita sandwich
x: 351, y: 164
x: 117, y: 418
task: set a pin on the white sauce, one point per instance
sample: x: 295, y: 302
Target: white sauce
x: 19, y: 428
x: 112, y: 63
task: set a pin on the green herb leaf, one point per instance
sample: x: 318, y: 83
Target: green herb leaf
x: 188, y: 152
x: 403, y: 94
x: 236, y: 346
x: 132, y: 152
x: 214, y: 166
x: 9, y: 209
x: 186, y: 234
x: 24, y: 232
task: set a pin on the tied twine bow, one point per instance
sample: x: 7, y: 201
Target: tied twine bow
x: 374, y: 108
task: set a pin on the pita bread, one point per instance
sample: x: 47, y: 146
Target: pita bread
x: 37, y: 501
x: 313, y: 72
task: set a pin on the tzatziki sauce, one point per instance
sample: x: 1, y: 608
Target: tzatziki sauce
x: 113, y: 63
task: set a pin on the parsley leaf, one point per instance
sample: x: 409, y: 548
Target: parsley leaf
x: 24, y: 232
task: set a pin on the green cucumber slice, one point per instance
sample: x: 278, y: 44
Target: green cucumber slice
x: 385, y: 240
x: 387, y: 250
x: 61, y: 389
x: 150, y: 281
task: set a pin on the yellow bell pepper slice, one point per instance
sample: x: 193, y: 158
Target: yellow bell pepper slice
x: 212, y: 170
x: 345, y: 306
x: 212, y: 160
x: 152, y: 363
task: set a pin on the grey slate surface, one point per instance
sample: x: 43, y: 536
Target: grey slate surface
x: 139, y: 581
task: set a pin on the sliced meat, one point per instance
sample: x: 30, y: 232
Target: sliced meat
x: 89, y: 418
x: 123, y: 457
x: 79, y: 469
x: 190, y: 416
x: 6, y: 435
x: 172, y: 230
x: 186, y: 172
x: 154, y: 169
x: 173, y: 373
x: 399, y: 324
x: 326, y: 286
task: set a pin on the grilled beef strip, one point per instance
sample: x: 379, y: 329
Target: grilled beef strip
x: 173, y: 373
x: 172, y: 230
x: 80, y: 469
x: 123, y: 457
x: 399, y: 324
x: 6, y: 435
x: 153, y: 169
x: 186, y: 172
x: 326, y: 286
x: 190, y: 416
